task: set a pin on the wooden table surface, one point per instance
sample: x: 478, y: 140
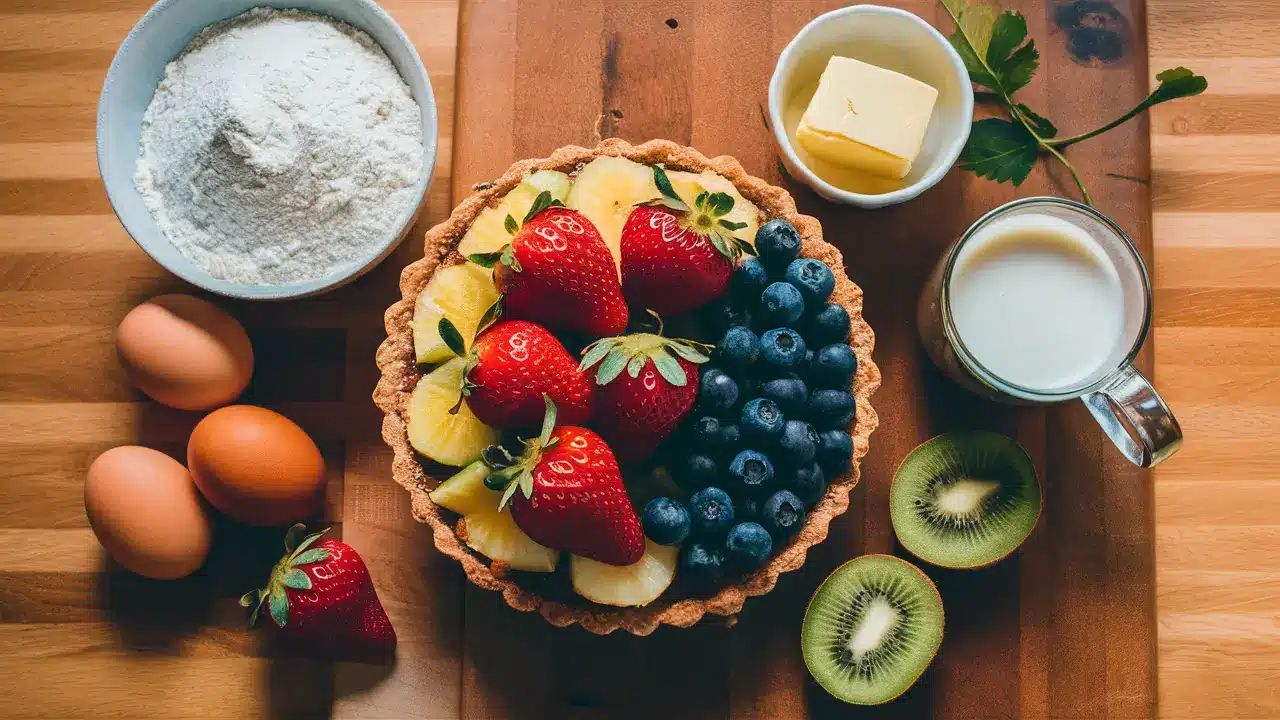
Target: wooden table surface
x: 82, y: 638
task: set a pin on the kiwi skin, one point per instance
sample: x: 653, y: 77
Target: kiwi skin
x: 941, y: 609
x: 978, y: 566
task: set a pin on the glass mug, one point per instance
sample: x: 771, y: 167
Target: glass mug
x: 1123, y: 402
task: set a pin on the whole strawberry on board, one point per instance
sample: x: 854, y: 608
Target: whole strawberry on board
x: 511, y: 366
x: 558, y: 272
x: 565, y: 491
x: 320, y: 601
x: 645, y: 384
x: 676, y: 258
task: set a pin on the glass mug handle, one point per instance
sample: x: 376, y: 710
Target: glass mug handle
x: 1128, y: 407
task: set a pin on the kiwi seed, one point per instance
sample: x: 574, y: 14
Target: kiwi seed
x: 872, y: 629
x: 965, y: 500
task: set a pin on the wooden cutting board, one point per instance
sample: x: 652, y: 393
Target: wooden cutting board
x: 1066, y: 628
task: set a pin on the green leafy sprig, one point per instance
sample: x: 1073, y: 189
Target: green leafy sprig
x: 991, y: 44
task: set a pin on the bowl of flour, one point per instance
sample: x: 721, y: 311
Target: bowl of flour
x: 267, y: 150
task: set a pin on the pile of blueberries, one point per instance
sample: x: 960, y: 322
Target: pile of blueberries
x: 768, y: 429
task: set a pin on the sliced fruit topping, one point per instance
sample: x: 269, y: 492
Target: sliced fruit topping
x: 688, y: 186
x: 565, y: 490
x: 465, y: 492
x: 626, y: 586
x: 557, y: 271
x: 606, y: 190
x: 965, y: 500
x: 872, y: 629
x: 488, y: 232
x: 512, y: 365
x: 497, y: 536
x: 437, y: 431
x: 676, y: 256
x: 645, y: 385
x: 461, y: 293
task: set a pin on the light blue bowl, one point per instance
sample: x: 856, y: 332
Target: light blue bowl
x: 131, y: 82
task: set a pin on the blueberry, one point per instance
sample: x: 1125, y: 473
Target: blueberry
x: 712, y: 512
x: 835, y: 452
x: 790, y: 393
x: 665, y: 521
x: 704, y: 432
x: 701, y: 564
x: 812, y: 278
x: 778, y: 243
x: 783, y: 348
x: 717, y: 392
x: 750, y: 473
x: 833, y: 366
x: 747, y: 546
x: 827, y: 326
x: 749, y: 278
x: 721, y: 314
x: 738, y: 347
x: 781, y: 304
x: 747, y: 509
x: 782, y: 515
x: 762, y: 421
x: 798, y: 444
x: 809, y: 484
x: 730, y: 437
x: 830, y: 409
x: 696, y: 471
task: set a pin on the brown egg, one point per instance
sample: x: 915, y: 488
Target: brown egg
x: 256, y: 465
x: 185, y: 352
x: 147, y: 513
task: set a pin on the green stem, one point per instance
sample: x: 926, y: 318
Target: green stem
x: 1074, y: 175
x: 1067, y: 142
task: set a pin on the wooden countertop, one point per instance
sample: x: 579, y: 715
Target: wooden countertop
x: 1216, y: 201
x: 77, y: 643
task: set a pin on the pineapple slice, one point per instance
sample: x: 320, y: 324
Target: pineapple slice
x: 461, y: 293
x: 488, y: 232
x: 465, y: 493
x: 627, y: 586
x: 496, y: 536
x: 688, y: 185
x: 605, y: 190
x: 449, y: 439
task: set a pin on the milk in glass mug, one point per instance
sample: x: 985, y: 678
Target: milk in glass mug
x: 1045, y: 300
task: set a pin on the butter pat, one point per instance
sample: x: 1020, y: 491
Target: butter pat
x: 867, y: 118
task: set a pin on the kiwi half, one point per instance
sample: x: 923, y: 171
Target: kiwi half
x: 872, y: 629
x: 965, y: 500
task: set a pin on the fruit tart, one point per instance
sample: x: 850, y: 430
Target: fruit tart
x: 627, y: 386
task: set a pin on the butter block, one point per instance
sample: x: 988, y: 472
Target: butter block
x: 867, y: 118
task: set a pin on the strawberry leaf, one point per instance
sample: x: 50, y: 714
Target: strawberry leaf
x: 490, y: 316
x: 542, y: 202
x: 732, y: 226
x: 452, y: 338
x: 307, y: 557
x: 548, y: 421
x: 486, y: 260
x: 635, y: 365
x: 297, y: 579
x: 293, y: 537
x: 497, y: 457
x: 510, y: 224
x: 744, y: 247
x: 701, y: 200
x: 612, y: 367
x: 718, y: 241
x: 525, y: 481
x: 668, y: 192
x: 720, y: 203
x: 251, y: 598
x: 596, y: 353
x: 690, y: 353
x: 509, y: 259
x: 670, y: 369
x: 278, y: 605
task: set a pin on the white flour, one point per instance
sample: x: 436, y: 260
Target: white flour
x: 279, y: 147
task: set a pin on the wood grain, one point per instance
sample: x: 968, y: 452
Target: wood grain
x: 1217, y: 241
x: 1066, y: 630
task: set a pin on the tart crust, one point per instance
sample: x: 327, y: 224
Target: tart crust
x: 400, y: 374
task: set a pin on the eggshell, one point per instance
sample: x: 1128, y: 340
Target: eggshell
x: 256, y: 465
x: 147, y: 513
x: 185, y: 352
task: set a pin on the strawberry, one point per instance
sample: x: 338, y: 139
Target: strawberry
x: 511, y: 366
x: 558, y: 272
x: 645, y: 384
x: 676, y: 258
x: 565, y: 491
x: 321, y: 601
